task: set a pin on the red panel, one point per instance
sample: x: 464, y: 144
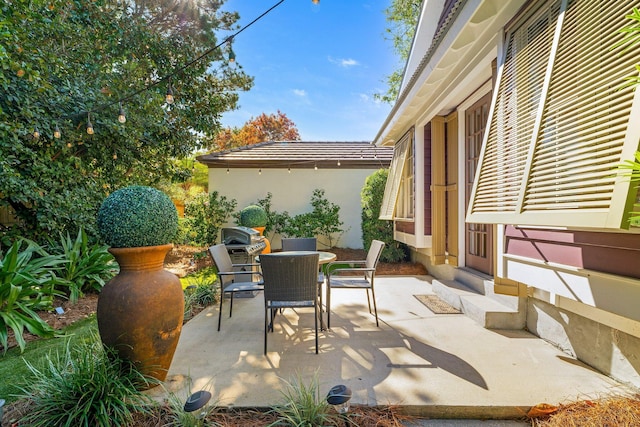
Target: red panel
x: 614, y: 253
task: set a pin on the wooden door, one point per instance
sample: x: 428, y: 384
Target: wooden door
x: 478, y: 237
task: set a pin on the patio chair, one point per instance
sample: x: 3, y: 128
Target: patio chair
x: 290, y: 281
x: 342, y: 277
x: 234, y: 277
x: 299, y: 244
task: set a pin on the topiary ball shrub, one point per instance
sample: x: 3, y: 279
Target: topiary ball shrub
x: 253, y: 216
x: 137, y: 216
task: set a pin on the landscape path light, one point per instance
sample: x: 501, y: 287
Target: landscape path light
x: 197, y: 401
x: 339, y: 397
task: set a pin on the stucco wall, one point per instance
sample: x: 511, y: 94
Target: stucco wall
x: 292, y: 193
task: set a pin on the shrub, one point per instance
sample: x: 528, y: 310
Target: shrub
x: 27, y: 284
x: 137, y: 216
x: 87, y: 267
x: 206, y: 214
x: 374, y: 228
x: 303, y: 405
x: 253, y: 216
x: 322, y: 221
x: 86, y: 385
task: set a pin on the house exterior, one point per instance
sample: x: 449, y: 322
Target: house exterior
x: 292, y: 170
x: 509, y: 127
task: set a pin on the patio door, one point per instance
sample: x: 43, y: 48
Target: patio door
x: 478, y: 237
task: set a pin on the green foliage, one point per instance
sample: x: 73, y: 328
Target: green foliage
x: 87, y: 267
x: 199, y: 290
x: 323, y: 220
x: 27, y: 284
x: 374, y: 228
x: 137, y: 216
x: 13, y: 369
x: 402, y: 19
x: 86, y: 385
x: 206, y: 214
x: 253, y: 216
x: 56, y: 185
x: 303, y: 405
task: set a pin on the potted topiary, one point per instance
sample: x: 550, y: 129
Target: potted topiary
x: 255, y: 216
x: 140, y: 310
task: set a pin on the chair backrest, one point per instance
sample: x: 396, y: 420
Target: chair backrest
x: 221, y: 259
x: 291, y: 277
x: 373, y: 255
x: 299, y: 244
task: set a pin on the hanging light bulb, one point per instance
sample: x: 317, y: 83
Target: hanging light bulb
x: 315, y: 1
x: 36, y: 133
x: 260, y: 171
x: 121, y: 117
x: 115, y: 156
x: 56, y: 132
x: 232, y: 55
x: 315, y: 166
x: 89, y: 125
x: 69, y: 145
x: 338, y: 162
x: 169, y: 98
x: 227, y: 171
x: 289, y: 170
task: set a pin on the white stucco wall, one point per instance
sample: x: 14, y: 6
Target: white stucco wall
x: 292, y: 193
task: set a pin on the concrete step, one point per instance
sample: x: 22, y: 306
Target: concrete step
x: 483, y: 309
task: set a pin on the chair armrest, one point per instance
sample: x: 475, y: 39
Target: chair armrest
x: 238, y: 273
x: 246, y: 265
x: 338, y: 271
x: 333, y: 265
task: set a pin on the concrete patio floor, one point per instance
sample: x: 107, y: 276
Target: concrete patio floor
x: 432, y: 365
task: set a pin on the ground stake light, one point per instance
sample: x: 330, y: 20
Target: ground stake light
x: 339, y: 397
x: 197, y: 401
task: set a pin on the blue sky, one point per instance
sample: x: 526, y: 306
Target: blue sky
x: 318, y: 64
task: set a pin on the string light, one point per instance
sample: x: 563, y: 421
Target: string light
x: 315, y: 166
x: 89, y: 125
x: 338, y: 162
x: 56, y: 132
x: 227, y: 171
x: 315, y: 1
x: 260, y: 171
x: 121, y: 117
x: 115, y: 156
x: 169, y: 98
x: 232, y: 55
x: 69, y: 145
x: 289, y: 170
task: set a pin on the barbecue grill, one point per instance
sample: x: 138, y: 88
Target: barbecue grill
x: 243, y: 245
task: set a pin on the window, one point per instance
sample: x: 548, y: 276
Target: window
x: 399, y: 190
x: 560, y: 124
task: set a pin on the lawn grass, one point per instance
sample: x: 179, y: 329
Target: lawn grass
x: 14, y: 371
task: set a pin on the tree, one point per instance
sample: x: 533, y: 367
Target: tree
x: 67, y: 63
x: 402, y: 17
x: 265, y: 127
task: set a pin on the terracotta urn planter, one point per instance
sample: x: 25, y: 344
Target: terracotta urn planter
x: 140, y: 311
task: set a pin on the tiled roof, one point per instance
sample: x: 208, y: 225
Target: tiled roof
x: 301, y: 155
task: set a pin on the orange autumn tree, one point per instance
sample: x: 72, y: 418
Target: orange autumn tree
x: 265, y: 127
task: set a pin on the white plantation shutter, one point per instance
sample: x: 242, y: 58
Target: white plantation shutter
x: 560, y: 123
x: 395, y: 177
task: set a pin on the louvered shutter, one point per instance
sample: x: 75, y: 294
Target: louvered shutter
x: 560, y: 123
x: 395, y: 177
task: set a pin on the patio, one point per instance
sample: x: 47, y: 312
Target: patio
x: 433, y: 365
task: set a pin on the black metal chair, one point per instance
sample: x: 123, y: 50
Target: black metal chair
x: 234, y: 277
x: 290, y: 281
x: 336, y: 277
